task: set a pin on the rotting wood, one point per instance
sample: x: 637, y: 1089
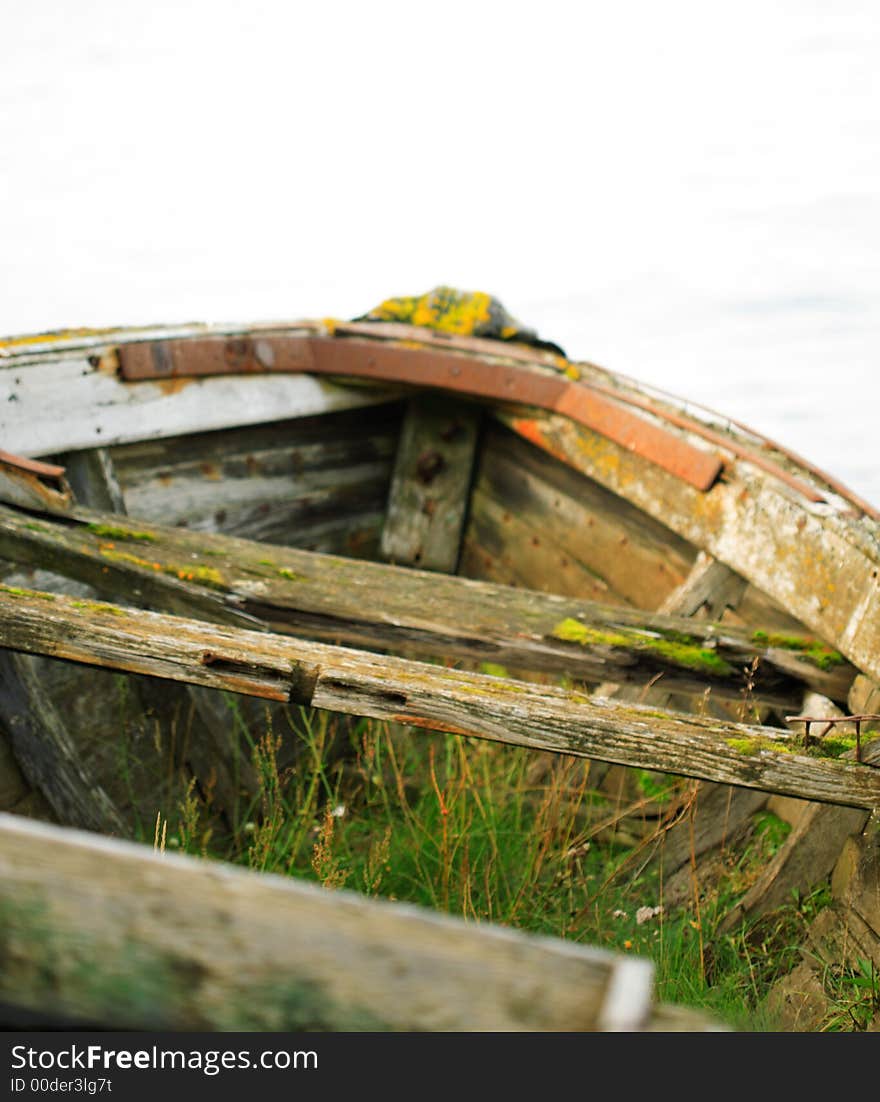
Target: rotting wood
x: 815, y: 562
x: 812, y: 848
x: 428, y: 696
x: 41, y: 743
x: 430, y: 615
x: 428, y: 498
x: 215, y: 754
x: 554, y: 529
x: 89, y: 918
x: 44, y: 752
x: 710, y: 585
x: 716, y: 588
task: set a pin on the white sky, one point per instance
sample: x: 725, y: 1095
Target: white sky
x: 685, y: 192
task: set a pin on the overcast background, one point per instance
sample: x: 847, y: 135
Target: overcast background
x: 684, y: 192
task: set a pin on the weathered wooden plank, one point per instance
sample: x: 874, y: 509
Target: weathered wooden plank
x: 810, y: 557
x: 90, y: 918
x: 92, y: 478
x: 428, y: 499
x: 554, y: 527
x: 540, y: 523
x: 39, y: 735
x: 710, y: 585
x: 432, y: 615
x: 499, y: 546
x: 298, y: 482
x: 434, y: 697
x: 80, y: 402
x: 811, y: 850
x: 44, y: 751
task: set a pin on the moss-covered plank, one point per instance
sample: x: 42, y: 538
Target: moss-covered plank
x: 430, y: 696
x: 376, y: 605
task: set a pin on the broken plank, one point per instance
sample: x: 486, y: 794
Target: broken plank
x: 90, y: 918
x: 32, y: 485
x: 710, y: 585
x: 428, y: 499
x: 376, y: 605
x: 433, y: 697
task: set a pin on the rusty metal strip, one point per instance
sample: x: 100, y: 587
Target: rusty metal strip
x: 834, y: 484
x: 699, y: 429
x: 425, y: 367
x: 33, y: 485
x: 215, y: 356
x: 33, y: 466
x: 524, y: 354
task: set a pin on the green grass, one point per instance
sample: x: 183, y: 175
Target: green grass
x: 494, y: 833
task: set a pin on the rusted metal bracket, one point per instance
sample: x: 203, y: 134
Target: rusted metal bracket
x: 832, y: 721
x: 465, y: 373
x: 33, y: 485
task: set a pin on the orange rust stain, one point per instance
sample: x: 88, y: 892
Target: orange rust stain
x: 172, y: 386
x: 431, y: 724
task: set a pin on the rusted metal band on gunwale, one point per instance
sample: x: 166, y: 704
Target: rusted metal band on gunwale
x: 48, y: 471
x: 424, y: 367
x: 33, y: 485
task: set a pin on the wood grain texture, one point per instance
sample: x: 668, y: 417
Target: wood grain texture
x: 430, y: 487
x: 811, y: 558
x: 429, y: 696
x: 112, y: 931
x: 428, y: 615
x: 540, y: 524
x: 313, y: 482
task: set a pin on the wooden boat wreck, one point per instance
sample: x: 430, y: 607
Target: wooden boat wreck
x: 321, y: 511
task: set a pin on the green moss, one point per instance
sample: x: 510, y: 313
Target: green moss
x: 116, y: 532
x: 16, y: 591
x: 755, y: 744
x: 204, y: 575
x: 32, y: 527
x: 673, y: 647
x: 820, y: 655
x: 772, y: 828
x: 124, y: 556
x: 831, y: 746
x: 291, y: 575
x: 493, y: 669
x: 99, y: 606
x: 573, y: 631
